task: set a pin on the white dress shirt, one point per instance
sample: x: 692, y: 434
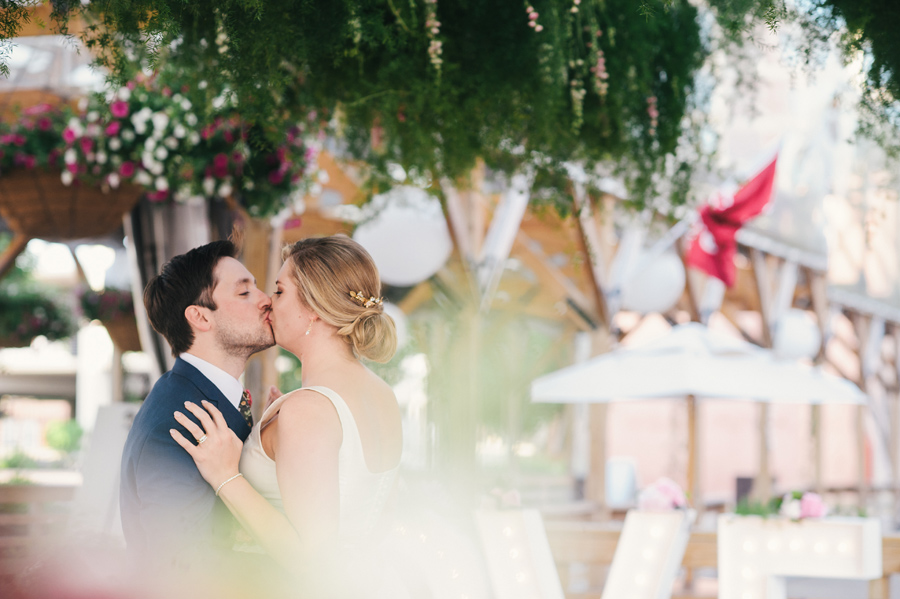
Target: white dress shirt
x: 230, y: 387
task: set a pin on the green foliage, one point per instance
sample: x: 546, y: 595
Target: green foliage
x: 17, y: 460
x: 29, y: 309
x: 857, y: 27
x: 64, y: 435
x: 435, y: 86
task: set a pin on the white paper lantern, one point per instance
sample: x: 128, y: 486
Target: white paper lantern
x: 406, y: 233
x: 655, y: 285
x: 796, y: 335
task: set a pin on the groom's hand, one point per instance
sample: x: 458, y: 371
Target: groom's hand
x: 274, y: 394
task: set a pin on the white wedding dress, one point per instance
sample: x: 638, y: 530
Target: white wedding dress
x: 363, y: 496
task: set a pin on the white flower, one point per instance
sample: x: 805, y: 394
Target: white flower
x: 161, y: 153
x: 224, y: 190
x: 147, y: 159
x: 128, y: 135
x: 115, y: 145
x: 140, y: 128
x: 790, y: 507
x: 177, y: 98
x: 186, y: 104
x: 209, y: 186
x: 161, y: 184
x: 113, y: 180
x: 89, y: 157
x: 70, y: 156
x: 202, y: 84
x: 218, y: 102
x: 156, y: 168
x: 75, y: 126
x: 82, y: 104
x: 92, y: 130
x: 160, y: 121
x: 171, y: 143
x: 66, y: 177
x: 191, y: 119
x: 149, y: 144
x: 101, y: 157
x: 179, y: 131
x: 194, y: 138
x: 142, y: 177
x: 93, y: 116
x: 123, y: 94
x: 248, y: 184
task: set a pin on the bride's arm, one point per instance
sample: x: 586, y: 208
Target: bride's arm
x: 308, y: 440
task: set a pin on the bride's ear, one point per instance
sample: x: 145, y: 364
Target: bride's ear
x: 198, y: 318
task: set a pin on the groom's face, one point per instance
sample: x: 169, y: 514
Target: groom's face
x: 240, y: 320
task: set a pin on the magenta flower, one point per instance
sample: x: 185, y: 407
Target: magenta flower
x: 127, y: 169
x: 87, y: 145
x: 44, y: 124
x: 68, y: 135
x: 220, y: 165
x: 119, y: 109
x: 276, y: 177
x: 113, y: 128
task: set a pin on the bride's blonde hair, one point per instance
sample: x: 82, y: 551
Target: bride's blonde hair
x: 332, y: 274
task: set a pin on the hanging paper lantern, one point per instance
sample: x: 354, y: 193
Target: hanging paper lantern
x: 796, y: 335
x: 654, y: 285
x: 406, y: 233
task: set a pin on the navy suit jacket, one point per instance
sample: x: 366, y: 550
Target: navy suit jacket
x: 170, y: 515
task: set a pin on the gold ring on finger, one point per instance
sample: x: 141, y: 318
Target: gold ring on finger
x: 201, y: 439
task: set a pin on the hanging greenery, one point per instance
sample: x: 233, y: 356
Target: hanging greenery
x: 434, y: 85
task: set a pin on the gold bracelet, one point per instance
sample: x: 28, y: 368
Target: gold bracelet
x: 226, y: 482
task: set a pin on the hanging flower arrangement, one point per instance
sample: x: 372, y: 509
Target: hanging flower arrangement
x: 148, y: 134
x: 33, y: 138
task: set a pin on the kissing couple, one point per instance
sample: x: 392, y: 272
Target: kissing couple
x: 309, y: 483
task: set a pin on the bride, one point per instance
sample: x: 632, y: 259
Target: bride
x: 313, y: 479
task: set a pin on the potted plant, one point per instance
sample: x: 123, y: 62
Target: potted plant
x: 115, y: 309
x: 26, y: 313
x: 37, y: 198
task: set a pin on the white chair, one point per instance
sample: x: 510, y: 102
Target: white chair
x: 518, y: 555
x: 648, y: 554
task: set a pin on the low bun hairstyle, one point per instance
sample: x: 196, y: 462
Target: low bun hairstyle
x: 326, y: 271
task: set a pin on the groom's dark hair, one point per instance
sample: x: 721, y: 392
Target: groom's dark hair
x: 185, y: 280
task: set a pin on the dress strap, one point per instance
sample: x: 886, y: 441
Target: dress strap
x: 348, y: 423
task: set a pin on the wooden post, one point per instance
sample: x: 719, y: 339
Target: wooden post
x: 861, y: 325
x: 818, y: 292
x: 762, y: 486
x: 693, y: 464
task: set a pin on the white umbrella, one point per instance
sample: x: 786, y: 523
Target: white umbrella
x: 695, y: 362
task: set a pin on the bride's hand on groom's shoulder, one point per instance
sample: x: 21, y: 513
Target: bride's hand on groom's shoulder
x: 274, y: 393
x: 218, y: 450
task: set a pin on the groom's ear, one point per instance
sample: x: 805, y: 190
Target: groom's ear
x: 198, y: 318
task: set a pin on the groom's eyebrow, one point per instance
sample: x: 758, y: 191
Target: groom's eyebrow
x: 245, y: 281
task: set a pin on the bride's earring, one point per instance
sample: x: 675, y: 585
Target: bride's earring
x: 309, y: 328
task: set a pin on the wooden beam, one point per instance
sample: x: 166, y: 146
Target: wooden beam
x: 552, y: 278
x: 592, y: 252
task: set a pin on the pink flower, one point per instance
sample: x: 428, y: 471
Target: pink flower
x: 220, y: 165
x: 661, y: 496
x: 276, y: 177
x: 72, y: 168
x: 44, y: 124
x: 812, y: 506
x: 30, y: 161
x: 68, y: 135
x: 38, y: 109
x: 113, y: 128
x: 119, y: 109
x: 158, y: 196
x: 127, y: 169
x: 87, y: 145
x: 18, y: 140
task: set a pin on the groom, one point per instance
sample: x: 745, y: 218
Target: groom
x: 207, y: 306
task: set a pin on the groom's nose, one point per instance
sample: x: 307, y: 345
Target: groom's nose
x: 264, y: 301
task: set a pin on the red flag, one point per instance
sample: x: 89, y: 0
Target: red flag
x: 713, y: 250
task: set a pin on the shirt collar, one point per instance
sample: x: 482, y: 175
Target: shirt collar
x: 230, y: 387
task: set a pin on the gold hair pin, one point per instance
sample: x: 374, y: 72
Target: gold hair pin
x: 360, y: 299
